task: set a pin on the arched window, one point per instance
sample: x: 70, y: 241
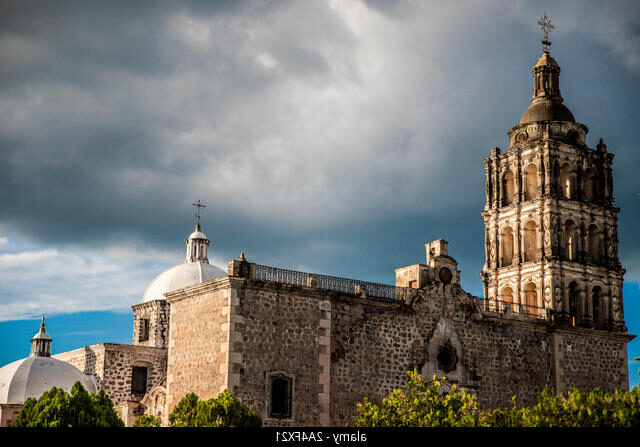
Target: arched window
x: 507, y: 246
x: 595, y: 244
x: 567, y: 181
x: 531, y: 182
x: 596, y: 301
x: 573, y: 303
x: 573, y: 136
x: 588, y: 186
x: 570, y: 248
x: 530, y: 241
x: 531, y: 298
x: 508, y: 188
x: 507, y: 300
x: 507, y: 295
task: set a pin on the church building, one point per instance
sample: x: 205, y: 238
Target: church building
x: 302, y: 349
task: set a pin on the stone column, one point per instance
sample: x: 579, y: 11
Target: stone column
x: 519, y: 176
x: 497, y: 187
x: 232, y: 326
x: 324, y: 360
x: 487, y: 187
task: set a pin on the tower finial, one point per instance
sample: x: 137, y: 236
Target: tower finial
x: 546, y: 26
x: 198, y: 205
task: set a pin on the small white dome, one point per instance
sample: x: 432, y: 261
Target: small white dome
x: 180, y: 276
x: 33, y: 376
x: 198, y: 235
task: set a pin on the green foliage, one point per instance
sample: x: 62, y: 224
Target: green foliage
x: 577, y: 409
x: 433, y: 404
x: 57, y: 408
x: 147, y: 420
x: 223, y: 411
x: 425, y: 404
x: 184, y: 413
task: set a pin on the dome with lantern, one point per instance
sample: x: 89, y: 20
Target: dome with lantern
x: 38, y: 373
x: 194, y: 270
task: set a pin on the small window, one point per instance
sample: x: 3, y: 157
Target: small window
x: 280, y: 396
x: 139, y: 380
x: 144, y: 329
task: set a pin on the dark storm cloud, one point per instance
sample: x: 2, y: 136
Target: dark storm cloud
x: 337, y: 137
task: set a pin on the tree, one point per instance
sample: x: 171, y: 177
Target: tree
x: 424, y: 404
x: 57, y: 408
x: 147, y: 420
x: 223, y: 411
x: 433, y: 404
x: 578, y: 408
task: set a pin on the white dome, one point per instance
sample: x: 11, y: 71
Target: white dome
x: 180, y: 276
x: 198, y: 235
x: 32, y: 376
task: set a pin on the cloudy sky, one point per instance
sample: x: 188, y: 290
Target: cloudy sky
x: 335, y: 137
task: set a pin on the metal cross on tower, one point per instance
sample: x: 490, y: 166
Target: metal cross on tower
x: 198, y: 205
x: 546, y: 26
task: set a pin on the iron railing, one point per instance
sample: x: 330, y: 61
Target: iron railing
x: 346, y: 285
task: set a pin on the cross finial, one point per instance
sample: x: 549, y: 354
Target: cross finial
x: 198, y: 205
x: 546, y: 26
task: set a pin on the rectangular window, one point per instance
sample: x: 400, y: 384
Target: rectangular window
x: 144, y: 329
x: 139, y: 380
x: 281, y: 388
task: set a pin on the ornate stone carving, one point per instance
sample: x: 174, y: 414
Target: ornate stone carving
x: 547, y: 296
x: 547, y: 233
x: 558, y: 298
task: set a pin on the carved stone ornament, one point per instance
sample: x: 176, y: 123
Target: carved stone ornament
x: 521, y: 137
x: 558, y: 295
x: 547, y: 232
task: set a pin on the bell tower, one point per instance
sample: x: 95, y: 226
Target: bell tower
x: 550, y: 218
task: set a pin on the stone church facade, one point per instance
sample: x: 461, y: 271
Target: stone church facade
x: 302, y: 349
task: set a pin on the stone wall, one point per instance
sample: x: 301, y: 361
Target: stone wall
x: 339, y: 348
x: 9, y: 414
x: 89, y: 360
x: 112, y: 366
x: 157, y: 312
x: 281, y: 332
x: 587, y: 358
x: 372, y: 349
x: 198, y: 341
x: 375, y: 344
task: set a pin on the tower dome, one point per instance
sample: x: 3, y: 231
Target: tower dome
x: 194, y: 270
x: 38, y: 373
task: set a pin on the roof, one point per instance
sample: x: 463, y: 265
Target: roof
x: 180, y: 276
x: 546, y: 110
x: 33, y: 376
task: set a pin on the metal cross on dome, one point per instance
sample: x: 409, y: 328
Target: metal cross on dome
x: 198, y: 205
x: 546, y: 26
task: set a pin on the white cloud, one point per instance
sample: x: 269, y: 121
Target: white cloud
x: 48, y: 281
